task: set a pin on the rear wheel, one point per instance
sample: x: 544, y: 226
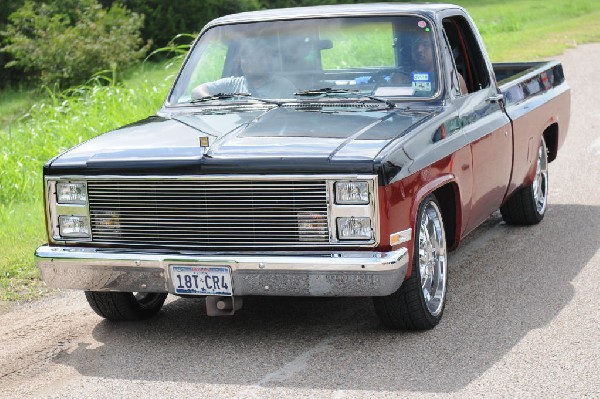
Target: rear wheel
x: 527, y: 205
x: 419, y: 302
x: 125, y: 305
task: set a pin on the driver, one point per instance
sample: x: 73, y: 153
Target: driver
x: 256, y: 64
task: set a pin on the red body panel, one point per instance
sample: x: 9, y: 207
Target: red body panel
x: 399, y: 201
x: 528, y: 132
x: 479, y: 172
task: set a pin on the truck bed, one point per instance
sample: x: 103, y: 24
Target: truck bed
x: 519, y: 81
x: 536, y: 98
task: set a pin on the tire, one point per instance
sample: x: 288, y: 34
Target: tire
x: 527, y: 206
x: 125, y: 306
x: 419, y: 303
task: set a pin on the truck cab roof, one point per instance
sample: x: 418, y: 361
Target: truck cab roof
x: 333, y: 10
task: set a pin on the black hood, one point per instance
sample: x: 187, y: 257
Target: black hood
x: 243, y: 140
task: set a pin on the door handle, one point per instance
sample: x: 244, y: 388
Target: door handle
x: 495, y: 98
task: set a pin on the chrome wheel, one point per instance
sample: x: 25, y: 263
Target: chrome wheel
x: 540, y: 184
x: 432, y: 258
x: 527, y: 204
x: 419, y: 302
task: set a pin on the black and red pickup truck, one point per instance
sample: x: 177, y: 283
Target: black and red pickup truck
x: 323, y: 151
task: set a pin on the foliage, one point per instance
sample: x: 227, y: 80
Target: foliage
x: 70, y: 117
x: 50, y: 127
x: 9, y: 77
x: 65, y: 43
x: 18, y: 278
x: 167, y: 18
x: 177, y: 47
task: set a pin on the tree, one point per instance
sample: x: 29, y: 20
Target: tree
x: 66, y: 42
x: 167, y: 18
x: 8, y: 76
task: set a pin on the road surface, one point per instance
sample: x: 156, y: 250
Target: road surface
x: 522, y: 318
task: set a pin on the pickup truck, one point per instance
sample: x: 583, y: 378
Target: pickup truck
x: 319, y: 151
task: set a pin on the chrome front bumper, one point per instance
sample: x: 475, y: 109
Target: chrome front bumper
x: 316, y: 274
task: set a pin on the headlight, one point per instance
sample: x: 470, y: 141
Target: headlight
x: 352, y: 192
x: 73, y: 226
x: 354, y: 228
x: 71, y: 193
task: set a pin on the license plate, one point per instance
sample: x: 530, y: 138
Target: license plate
x: 201, y: 280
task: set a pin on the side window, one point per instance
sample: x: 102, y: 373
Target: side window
x: 457, y: 84
x: 467, y: 55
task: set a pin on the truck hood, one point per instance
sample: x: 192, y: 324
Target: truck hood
x: 252, y: 135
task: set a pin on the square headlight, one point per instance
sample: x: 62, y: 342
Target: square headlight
x: 71, y: 193
x: 73, y: 226
x: 354, y: 228
x: 352, y: 192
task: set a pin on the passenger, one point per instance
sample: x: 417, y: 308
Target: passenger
x: 423, y: 75
x: 258, y: 79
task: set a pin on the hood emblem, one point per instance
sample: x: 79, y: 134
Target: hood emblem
x: 204, y: 143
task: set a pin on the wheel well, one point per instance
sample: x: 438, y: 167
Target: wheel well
x: 447, y: 196
x: 551, y: 137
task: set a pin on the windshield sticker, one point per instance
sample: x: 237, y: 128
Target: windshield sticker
x: 421, y: 86
x: 423, y: 25
x: 420, y: 77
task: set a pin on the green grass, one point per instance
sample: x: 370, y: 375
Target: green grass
x: 66, y: 119
x: 50, y: 127
x: 515, y: 30
x: 512, y: 30
x: 13, y: 106
x: 22, y: 230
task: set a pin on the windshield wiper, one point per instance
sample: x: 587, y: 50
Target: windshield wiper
x: 382, y: 100
x: 227, y: 96
x: 330, y: 90
x: 325, y: 91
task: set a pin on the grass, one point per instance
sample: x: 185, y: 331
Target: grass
x: 22, y: 231
x: 13, y: 106
x: 69, y: 118
x: 48, y: 128
x: 34, y: 128
x: 515, y: 30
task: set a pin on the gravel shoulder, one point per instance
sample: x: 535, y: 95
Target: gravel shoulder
x: 521, y: 320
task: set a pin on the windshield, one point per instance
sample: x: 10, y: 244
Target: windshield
x: 347, y: 57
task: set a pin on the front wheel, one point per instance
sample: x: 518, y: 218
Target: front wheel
x: 419, y: 302
x: 125, y: 306
x: 527, y: 205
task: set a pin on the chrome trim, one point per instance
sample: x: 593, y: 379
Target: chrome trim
x: 432, y: 258
x: 293, y: 274
x: 54, y: 209
x: 371, y: 210
x: 540, y: 182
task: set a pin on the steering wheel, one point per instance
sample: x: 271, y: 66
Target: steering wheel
x: 391, y: 76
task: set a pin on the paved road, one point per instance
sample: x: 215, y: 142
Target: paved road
x: 522, y: 318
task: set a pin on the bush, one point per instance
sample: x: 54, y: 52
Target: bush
x: 66, y: 42
x: 167, y: 18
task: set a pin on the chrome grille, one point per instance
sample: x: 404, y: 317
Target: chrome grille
x: 208, y: 214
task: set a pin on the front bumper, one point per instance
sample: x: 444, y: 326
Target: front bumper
x: 294, y: 274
